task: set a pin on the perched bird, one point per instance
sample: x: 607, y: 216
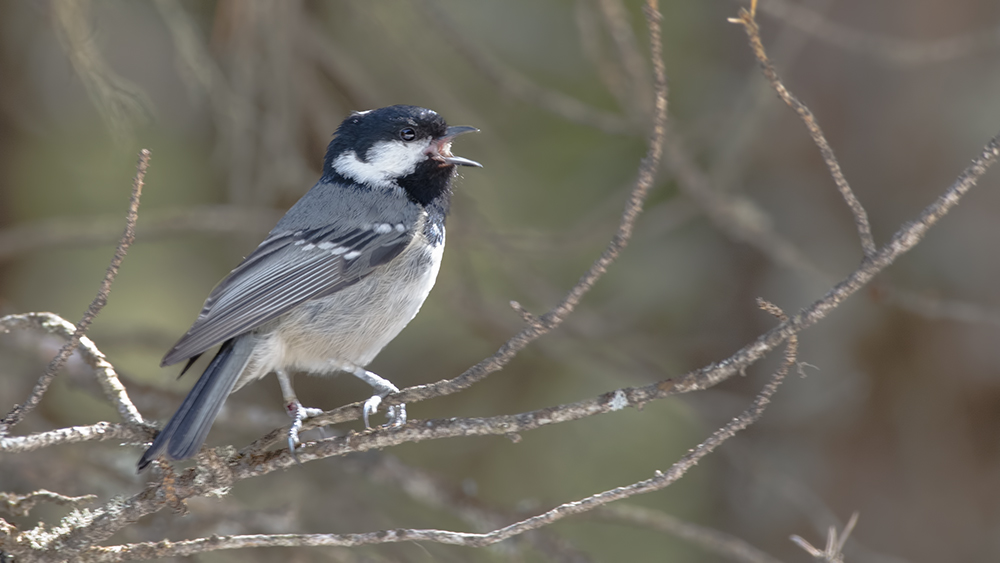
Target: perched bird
x: 339, y: 277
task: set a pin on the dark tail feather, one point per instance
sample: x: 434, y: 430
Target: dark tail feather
x: 185, y: 432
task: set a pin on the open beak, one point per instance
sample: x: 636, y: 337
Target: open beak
x: 443, y: 146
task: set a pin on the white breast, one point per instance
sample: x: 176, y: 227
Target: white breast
x: 354, y: 324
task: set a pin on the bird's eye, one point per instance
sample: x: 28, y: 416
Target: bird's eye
x: 407, y: 134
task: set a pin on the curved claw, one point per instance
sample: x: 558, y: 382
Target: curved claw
x: 293, y: 440
x: 371, y: 407
x: 396, y: 413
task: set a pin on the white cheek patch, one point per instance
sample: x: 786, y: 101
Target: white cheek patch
x: 386, y: 162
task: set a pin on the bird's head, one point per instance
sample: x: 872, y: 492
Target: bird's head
x: 397, y: 146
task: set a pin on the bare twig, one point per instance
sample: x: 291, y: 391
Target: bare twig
x: 130, y: 414
x: 710, y: 539
x: 860, y: 215
x: 754, y: 106
x: 21, y: 505
x: 834, y: 552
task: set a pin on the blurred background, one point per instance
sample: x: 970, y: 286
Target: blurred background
x: 897, y: 417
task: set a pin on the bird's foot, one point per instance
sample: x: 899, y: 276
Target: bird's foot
x: 298, y: 413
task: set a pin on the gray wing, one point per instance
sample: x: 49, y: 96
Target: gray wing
x: 286, y: 270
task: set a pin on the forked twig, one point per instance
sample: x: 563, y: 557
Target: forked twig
x: 746, y: 19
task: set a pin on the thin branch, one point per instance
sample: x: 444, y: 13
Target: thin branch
x: 125, y: 408
x: 754, y: 105
x: 711, y: 540
x: 860, y: 215
x: 21, y: 505
x: 659, y: 481
x: 99, y: 432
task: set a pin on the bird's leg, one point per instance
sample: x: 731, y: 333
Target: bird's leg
x: 294, y: 409
x: 382, y: 387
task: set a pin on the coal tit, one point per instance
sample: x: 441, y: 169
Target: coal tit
x: 339, y: 277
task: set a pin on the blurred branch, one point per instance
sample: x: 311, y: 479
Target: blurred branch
x: 428, y: 490
x: 936, y: 308
x: 120, y: 103
x: 609, y: 70
x: 888, y: 50
x: 356, y: 81
x: 109, y: 380
x: 860, y: 215
x: 834, y: 552
x: 518, y: 86
x: 616, y: 20
x: 714, y: 541
x: 212, y: 219
x: 739, y: 217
